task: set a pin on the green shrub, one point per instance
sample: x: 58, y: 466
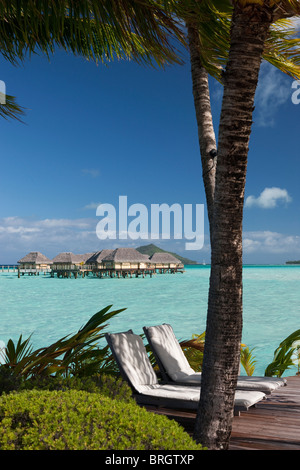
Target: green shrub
x: 107, y: 385
x: 8, y: 381
x: 78, y: 420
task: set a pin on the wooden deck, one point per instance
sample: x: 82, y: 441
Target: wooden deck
x: 274, y: 424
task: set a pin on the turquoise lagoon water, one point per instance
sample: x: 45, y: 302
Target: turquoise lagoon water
x: 49, y: 308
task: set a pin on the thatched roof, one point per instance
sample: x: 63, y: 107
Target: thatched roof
x: 126, y: 255
x: 35, y: 257
x: 67, y: 257
x: 85, y: 256
x: 164, y: 258
x: 98, y: 256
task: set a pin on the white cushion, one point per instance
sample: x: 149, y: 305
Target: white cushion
x: 175, y: 392
x: 169, y: 351
x: 265, y: 384
x: 194, y: 378
x: 243, y: 399
x: 133, y: 358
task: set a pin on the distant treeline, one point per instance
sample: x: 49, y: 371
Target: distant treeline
x: 293, y: 262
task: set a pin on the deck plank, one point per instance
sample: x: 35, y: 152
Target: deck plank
x: 273, y: 424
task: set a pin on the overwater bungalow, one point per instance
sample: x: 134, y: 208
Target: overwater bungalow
x: 67, y: 261
x: 126, y: 258
x: 34, y: 263
x: 165, y: 261
x: 121, y: 262
x: 95, y: 262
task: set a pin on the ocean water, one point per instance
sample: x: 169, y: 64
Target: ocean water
x: 49, y: 308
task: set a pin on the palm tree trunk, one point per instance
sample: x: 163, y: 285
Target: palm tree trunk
x: 206, y: 134
x: 250, y: 26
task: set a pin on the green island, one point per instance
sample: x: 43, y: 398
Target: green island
x: 151, y: 249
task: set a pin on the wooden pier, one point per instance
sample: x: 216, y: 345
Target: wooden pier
x: 9, y: 268
x: 99, y: 273
x: 273, y: 424
x: 32, y: 271
x: 119, y: 273
x: 111, y: 273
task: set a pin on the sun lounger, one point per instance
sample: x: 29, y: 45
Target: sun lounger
x: 175, y: 368
x: 132, y: 359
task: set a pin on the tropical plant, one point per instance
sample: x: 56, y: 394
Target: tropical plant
x: 13, y: 353
x: 285, y: 356
x: 248, y: 361
x: 76, y: 355
x: 193, y: 350
x: 97, y: 30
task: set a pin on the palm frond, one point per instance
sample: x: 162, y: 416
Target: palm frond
x: 193, y: 350
x: 11, y: 110
x: 282, y: 48
x: 98, y: 30
x: 286, y: 8
x: 247, y: 360
x: 15, y: 353
x: 212, y: 18
x: 283, y: 355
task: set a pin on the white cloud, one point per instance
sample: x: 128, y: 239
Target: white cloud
x: 50, y: 236
x: 93, y: 172
x: 273, y: 90
x: 92, y: 205
x: 268, y: 198
x: 270, y: 242
x: 63, y: 223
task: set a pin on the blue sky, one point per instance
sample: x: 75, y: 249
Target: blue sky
x: 94, y: 133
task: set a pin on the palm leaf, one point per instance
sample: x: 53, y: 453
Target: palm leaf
x: 13, y: 354
x: 63, y: 353
x: 247, y: 360
x: 99, y: 30
x: 212, y: 19
x: 282, y: 359
x: 11, y: 110
x: 193, y: 350
x: 282, y: 48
